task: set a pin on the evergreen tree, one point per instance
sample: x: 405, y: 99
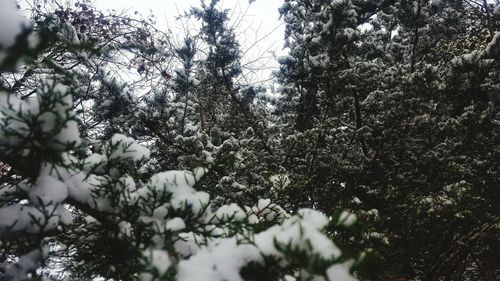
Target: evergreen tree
x: 100, y: 215
x: 229, y: 117
x: 388, y: 154
x: 388, y: 110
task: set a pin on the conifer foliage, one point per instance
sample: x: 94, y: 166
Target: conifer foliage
x: 391, y: 110
x: 85, y: 202
x: 127, y: 155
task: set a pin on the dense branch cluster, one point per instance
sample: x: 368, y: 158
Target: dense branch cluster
x: 127, y: 155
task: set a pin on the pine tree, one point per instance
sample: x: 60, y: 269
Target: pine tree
x: 389, y: 110
x: 391, y: 160
x: 100, y: 215
x: 229, y: 116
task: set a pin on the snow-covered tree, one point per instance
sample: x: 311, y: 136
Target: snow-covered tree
x: 375, y: 108
x: 127, y: 156
x: 76, y: 211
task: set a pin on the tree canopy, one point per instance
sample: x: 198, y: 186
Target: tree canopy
x: 126, y: 154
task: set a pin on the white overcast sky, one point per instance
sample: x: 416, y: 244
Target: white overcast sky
x: 260, y: 24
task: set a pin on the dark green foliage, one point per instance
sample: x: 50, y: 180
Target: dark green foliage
x: 388, y: 109
x: 403, y: 124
